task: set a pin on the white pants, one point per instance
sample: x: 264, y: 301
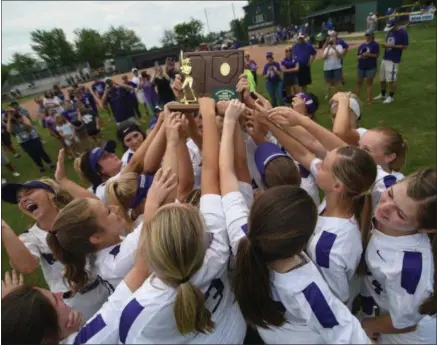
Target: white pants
x: 388, y: 71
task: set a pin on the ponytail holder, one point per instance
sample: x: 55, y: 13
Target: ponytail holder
x: 363, y: 194
x: 184, y: 281
x: 51, y: 232
x: 144, y: 183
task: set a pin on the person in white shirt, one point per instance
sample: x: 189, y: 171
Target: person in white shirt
x: 131, y: 136
x: 188, y: 298
x: 401, y: 260
x: 33, y: 315
x: 41, y: 200
x: 278, y: 288
x: 332, y: 67
x: 52, y: 101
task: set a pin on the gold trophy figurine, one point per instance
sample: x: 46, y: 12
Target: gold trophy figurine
x: 188, y: 81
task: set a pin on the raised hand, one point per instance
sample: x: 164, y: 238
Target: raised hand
x: 206, y: 106
x: 298, y: 104
x: 234, y: 110
x: 11, y: 282
x: 164, y: 182
x: 60, y: 168
x: 221, y: 107
x: 284, y: 116
x: 75, y: 321
x: 172, y: 126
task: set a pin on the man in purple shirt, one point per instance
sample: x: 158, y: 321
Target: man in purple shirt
x: 396, y: 42
x: 304, y: 53
x: 272, y: 74
x: 367, y: 55
x: 98, y: 88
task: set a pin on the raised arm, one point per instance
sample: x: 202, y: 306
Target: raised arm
x: 210, y: 183
x: 185, y: 167
x: 342, y: 126
x: 153, y: 156
x: 228, y: 177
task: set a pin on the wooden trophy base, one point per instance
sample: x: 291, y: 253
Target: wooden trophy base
x: 183, y: 108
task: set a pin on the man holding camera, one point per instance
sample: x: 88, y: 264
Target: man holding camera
x: 28, y: 138
x: 118, y: 98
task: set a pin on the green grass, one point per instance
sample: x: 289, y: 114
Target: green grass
x: 413, y: 114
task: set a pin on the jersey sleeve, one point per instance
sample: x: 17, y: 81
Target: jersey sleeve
x: 247, y: 191
x: 121, y: 258
x: 103, y: 327
x: 315, y: 163
x: 30, y: 244
x: 404, y: 288
x: 237, y: 213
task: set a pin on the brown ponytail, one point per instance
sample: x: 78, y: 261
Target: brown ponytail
x: 281, y: 222
x: 122, y: 191
x: 62, y: 197
x: 69, y: 240
x: 190, y: 310
x: 422, y: 188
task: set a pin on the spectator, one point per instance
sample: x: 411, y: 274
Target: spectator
x: 58, y: 92
x: 396, y: 42
x: 133, y: 96
x: 272, y: 73
x: 6, y: 137
x: 7, y: 164
x: 371, y: 22
x: 251, y: 65
x: 162, y: 82
x: 118, y: 98
x: 98, y: 89
x: 52, y: 101
x: 368, y: 53
x: 68, y: 134
x: 332, y: 68
x: 92, y: 123
x: 28, y: 138
x: 345, y: 46
x: 41, y: 110
x: 22, y: 111
x: 150, y: 96
x: 290, y: 69
x: 304, y: 53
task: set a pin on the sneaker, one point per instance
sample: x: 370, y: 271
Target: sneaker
x: 379, y: 97
x: 389, y: 100
x: 16, y: 174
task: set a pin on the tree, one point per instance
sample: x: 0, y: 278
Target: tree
x: 239, y: 29
x: 22, y: 63
x: 169, y: 38
x: 189, y: 34
x: 90, y: 47
x: 5, y: 72
x: 121, y: 41
x: 52, y: 46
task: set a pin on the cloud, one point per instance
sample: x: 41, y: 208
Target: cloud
x: 147, y: 18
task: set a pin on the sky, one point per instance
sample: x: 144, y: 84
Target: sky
x: 148, y: 19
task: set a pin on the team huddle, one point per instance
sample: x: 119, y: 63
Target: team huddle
x: 239, y: 221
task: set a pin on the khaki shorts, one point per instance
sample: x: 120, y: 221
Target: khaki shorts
x: 388, y: 71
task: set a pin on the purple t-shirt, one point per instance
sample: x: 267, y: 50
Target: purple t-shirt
x: 368, y: 62
x: 343, y: 43
x: 289, y: 63
x: 50, y: 124
x: 272, y: 77
x: 121, y: 104
x: 398, y: 37
x: 302, y: 52
x: 99, y: 87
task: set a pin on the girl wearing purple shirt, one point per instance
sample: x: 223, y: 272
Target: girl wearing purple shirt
x: 272, y: 74
x: 367, y: 59
x: 290, y: 67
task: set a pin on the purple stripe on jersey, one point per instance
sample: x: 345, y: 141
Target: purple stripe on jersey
x: 129, y: 156
x: 114, y: 251
x: 303, y: 172
x: 127, y: 318
x: 323, y: 248
x: 90, y: 330
x: 49, y: 258
x: 389, y: 180
x: 367, y: 302
x: 245, y: 228
x: 411, y: 271
x: 319, y: 306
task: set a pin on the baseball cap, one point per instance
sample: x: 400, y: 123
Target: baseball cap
x: 134, y: 70
x: 144, y: 184
x: 97, y: 153
x: 332, y: 32
x: 391, y: 23
x: 355, y: 107
x: 10, y: 190
x: 264, y: 154
x: 269, y: 54
x: 368, y: 32
x: 300, y: 35
x: 310, y: 104
x: 106, y: 79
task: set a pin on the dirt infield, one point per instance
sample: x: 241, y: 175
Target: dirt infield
x: 257, y: 53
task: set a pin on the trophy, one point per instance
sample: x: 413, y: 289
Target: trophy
x: 208, y: 74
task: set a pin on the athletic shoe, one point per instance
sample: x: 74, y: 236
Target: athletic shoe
x: 389, y: 100
x: 379, y: 97
x: 16, y: 174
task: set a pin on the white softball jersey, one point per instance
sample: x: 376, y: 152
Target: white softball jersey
x: 149, y: 317
x: 400, y: 277
x: 313, y: 314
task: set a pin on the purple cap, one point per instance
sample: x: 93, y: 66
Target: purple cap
x: 97, y: 153
x: 269, y: 54
x: 265, y: 153
x: 309, y: 103
x: 10, y: 190
x: 144, y: 184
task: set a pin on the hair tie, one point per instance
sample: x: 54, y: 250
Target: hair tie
x: 184, y: 281
x: 51, y: 232
x: 363, y: 194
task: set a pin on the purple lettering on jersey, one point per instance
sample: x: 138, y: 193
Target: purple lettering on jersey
x: 389, y: 180
x: 129, y: 156
x: 49, y: 258
x: 90, y: 330
x: 245, y: 228
x: 114, y: 251
x: 323, y: 248
x: 411, y: 271
x: 128, y: 317
x: 319, y: 306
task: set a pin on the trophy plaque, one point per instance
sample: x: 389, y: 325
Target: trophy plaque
x: 208, y: 74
